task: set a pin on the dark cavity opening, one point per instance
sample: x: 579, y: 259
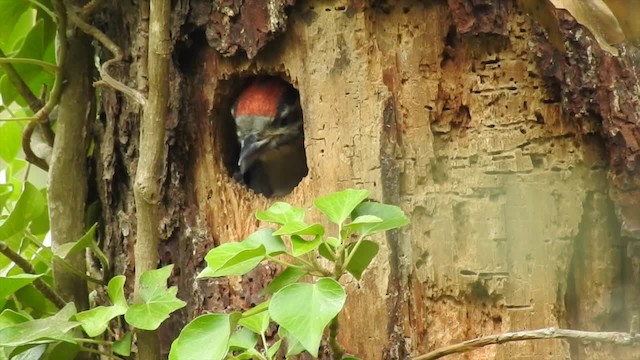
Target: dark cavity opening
x: 263, y: 134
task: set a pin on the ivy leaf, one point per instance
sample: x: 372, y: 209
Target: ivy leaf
x: 10, y: 13
x: 205, y: 338
x: 158, y: 301
x: 288, y: 276
x: 85, y: 241
x: 29, y: 206
x: 95, y: 321
x: 392, y: 217
x: 123, y: 346
x: 273, y: 349
x: 337, y: 206
x: 40, y: 331
x: 306, y: 309
x: 11, y: 284
x: 11, y: 140
x: 10, y: 317
x: 294, y: 347
x: 366, y: 251
x: 258, y: 323
x: 300, y: 246
x: 266, y: 236
x: 232, y: 259
x: 243, y: 339
x: 281, y: 213
x: 300, y: 228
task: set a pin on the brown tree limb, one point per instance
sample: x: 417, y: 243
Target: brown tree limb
x: 617, y: 338
x: 68, y: 169
x: 148, y: 182
x: 26, y: 266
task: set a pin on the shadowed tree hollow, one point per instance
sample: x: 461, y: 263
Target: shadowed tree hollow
x: 514, y: 160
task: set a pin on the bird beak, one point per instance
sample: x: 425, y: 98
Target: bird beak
x: 250, y: 149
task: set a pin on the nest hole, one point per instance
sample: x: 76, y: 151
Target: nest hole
x: 259, y: 117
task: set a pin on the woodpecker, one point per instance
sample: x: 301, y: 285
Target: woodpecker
x: 268, y: 120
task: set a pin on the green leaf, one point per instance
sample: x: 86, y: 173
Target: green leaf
x: 37, y: 44
x: 323, y: 250
x: 300, y: 228
x: 10, y: 12
x: 70, y: 248
x: 33, y: 353
x: 337, y: 206
x: 29, y: 206
x: 232, y: 259
x: 258, y: 323
x: 350, y: 358
x: 10, y: 284
x: 61, y: 351
x: 288, y: 276
x: 273, y: 349
x: 95, y: 321
x: 157, y: 301
x: 40, y: 331
x: 11, y: 140
x: 392, y: 217
x: 10, y: 317
x: 361, y: 221
x: 362, y: 257
x: 243, y: 339
x: 294, y: 347
x: 306, y: 309
x: 333, y: 241
x: 273, y: 244
x: 5, y: 193
x: 123, y: 346
x: 205, y: 338
x: 281, y: 213
x: 300, y: 246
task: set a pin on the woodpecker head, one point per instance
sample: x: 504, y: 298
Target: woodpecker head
x: 267, y: 115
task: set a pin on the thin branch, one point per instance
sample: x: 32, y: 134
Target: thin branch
x: 23, y: 89
x: 91, y: 6
x: 52, y: 68
x: 617, y: 338
x: 26, y: 266
x: 117, y: 57
x: 147, y: 188
x: 29, y: 155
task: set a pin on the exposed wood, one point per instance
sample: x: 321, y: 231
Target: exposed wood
x: 512, y: 225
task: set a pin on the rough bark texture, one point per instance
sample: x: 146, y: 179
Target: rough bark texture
x: 494, y: 143
x: 68, y: 172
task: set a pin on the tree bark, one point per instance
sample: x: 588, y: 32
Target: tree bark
x: 451, y: 111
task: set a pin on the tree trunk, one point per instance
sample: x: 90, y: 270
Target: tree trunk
x: 496, y: 145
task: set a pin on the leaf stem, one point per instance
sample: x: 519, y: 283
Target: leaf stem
x: 52, y: 68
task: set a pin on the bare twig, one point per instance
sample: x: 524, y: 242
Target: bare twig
x: 618, y: 338
x: 29, y: 155
x: 24, y: 264
x: 117, y: 57
x: 91, y: 6
x: 23, y: 89
x: 148, y: 182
